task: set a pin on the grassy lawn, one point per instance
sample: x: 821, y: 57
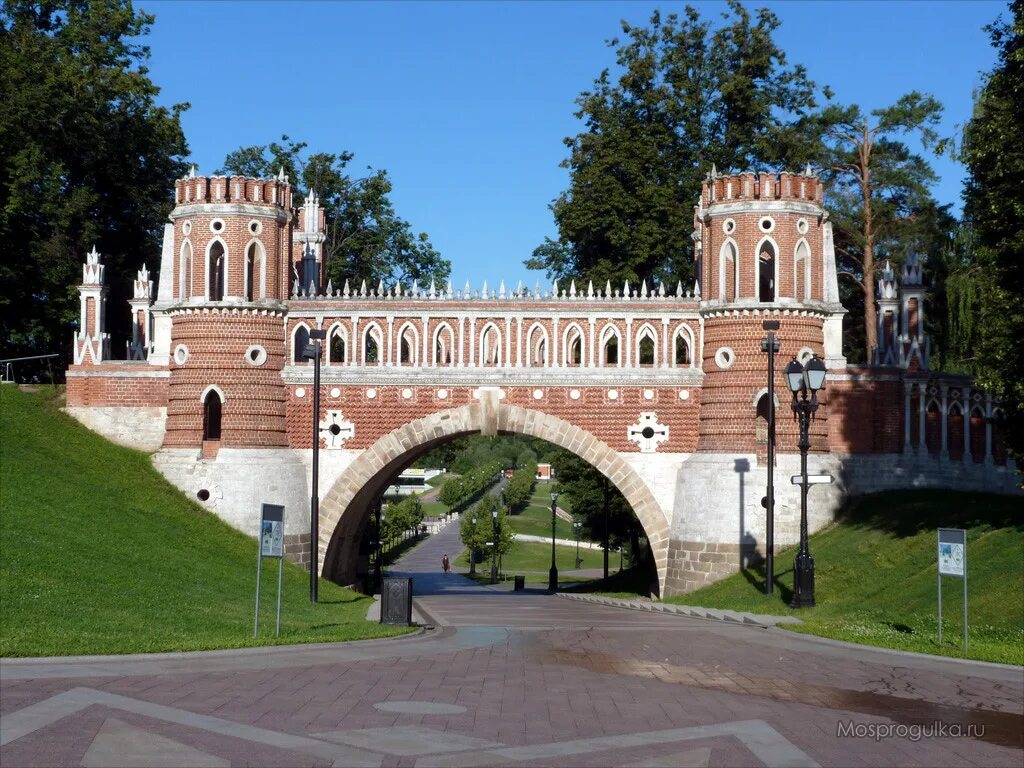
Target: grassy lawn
x: 876, y: 577
x: 536, y: 521
x: 438, y: 481
x: 528, y: 556
x: 101, y: 555
x: 434, y: 508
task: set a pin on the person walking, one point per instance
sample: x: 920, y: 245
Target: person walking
x: 445, y: 565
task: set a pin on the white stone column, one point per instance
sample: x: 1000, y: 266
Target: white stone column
x: 462, y: 335
x: 472, y: 341
x: 907, y: 386
x: 922, y: 395
x: 944, y: 451
x: 388, y: 352
x: 507, y: 358
x: 591, y: 359
x: 664, y: 343
x: 629, y: 342
x: 355, y: 349
x: 965, y: 395
x: 519, y: 341
x: 554, y: 345
x: 425, y: 360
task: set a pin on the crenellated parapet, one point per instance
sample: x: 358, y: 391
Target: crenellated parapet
x: 211, y: 190
x: 762, y: 187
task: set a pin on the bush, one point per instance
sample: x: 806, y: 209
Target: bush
x: 520, y: 487
x: 459, y: 492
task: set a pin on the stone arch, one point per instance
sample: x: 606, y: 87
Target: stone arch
x: 408, y: 345
x: 444, y: 344
x: 300, y: 338
x: 337, y: 344
x: 347, y: 506
x: 490, y: 346
x: 683, y: 330
x: 537, y: 347
x: 573, y: 353
x: 608, y: 333
x: 372, y: 333
x: 648, y: 332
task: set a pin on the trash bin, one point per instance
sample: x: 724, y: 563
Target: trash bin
x: 520, y: 583
x: 396, y: 601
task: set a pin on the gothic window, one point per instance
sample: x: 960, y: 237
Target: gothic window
x: 933, y: 427
x: 646, y: 354
x: 977, y: 434
x: 802, y: 271
x: 185, y: 286
x: 407, y: 346
x: 537, y: 346
x: 337, y: 349
x: 371, y: 345
x: 955, y: 431
x: 299, y: 341
x: 611, y: 350
x: 218, y: 265
x: 443, y: 344
x: 766, y: 272
x: 490, y: 347
x: 211, y: 415
x: 573, y: 347
x: 250, y: 271
x: 682, y: 350
x: 727, y: 272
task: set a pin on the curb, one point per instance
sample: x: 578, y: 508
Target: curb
x: 714, y: 614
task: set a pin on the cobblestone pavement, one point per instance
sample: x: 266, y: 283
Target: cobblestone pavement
x: 521, y: 680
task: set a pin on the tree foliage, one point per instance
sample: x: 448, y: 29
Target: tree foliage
x: 520, y: 487
x: 586, y: 487
x: 687, y: 95
x: 366, y: 240
x: 993, y: 150
x: 879, y: 195
x: 480, y: 536
x: 406, y: 515
x: 88, y: 157
x: 459, y: 492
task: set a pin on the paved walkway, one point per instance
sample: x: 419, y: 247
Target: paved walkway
x: 516, y: 679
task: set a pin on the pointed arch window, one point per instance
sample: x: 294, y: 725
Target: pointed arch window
x: 681, y: 351
x: 611, y: 350
x: 212, y: 406
x: 371, y: 345
x: 250, y: 272
x: 490, y: 347
x: 185, y: 285
x: 537, y: 345
x: 646, y: 348
x: 573, y: 347
x: 218, y: 270
x: 444, y: 341
x: 802, y: 271
x: 766, y: 257
x: 337, y: 347
x: 728, y: 280
x: 407, y: 346
x: 299, y: 341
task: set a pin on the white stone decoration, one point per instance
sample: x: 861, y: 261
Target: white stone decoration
x: 181, y: 354
x: 442, y: 394
x: 406, y: 393
x: 648, y: 394
x: 728, y: 226
x: 217, y: 226
x: 725, y: 357
x: 805, y: 354
x: 613, y: 394
x: 186, y: 228
x: 801, y: 226
x: 371, y: 393
x: 256, y: 227
x: 574, y: 394
x: 335, y: 430
x: 335, y: 392
x: 766, y: 224
x: 538, y: 394
x: 255, y: 355
x: 300, y: 391
x: 647, y: 432
x: 684, y: 394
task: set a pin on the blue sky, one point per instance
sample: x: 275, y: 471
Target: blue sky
x: 465, y: 104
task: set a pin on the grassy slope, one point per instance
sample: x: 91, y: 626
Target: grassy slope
x: 876, y: 576
x: 534, y: 556
x: 99, y: 554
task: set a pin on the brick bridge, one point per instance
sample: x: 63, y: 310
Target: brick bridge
x: 660, y: 387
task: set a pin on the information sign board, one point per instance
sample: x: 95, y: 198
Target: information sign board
x: 272, y: 531
x: 952, y: 551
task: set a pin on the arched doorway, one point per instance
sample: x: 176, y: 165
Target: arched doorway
x: 346, y: 508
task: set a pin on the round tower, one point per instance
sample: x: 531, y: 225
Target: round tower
x: 231, y: 255
x: 764, y: 253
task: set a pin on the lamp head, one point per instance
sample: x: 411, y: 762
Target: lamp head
x: 794, y: 376
x: 814, y: 372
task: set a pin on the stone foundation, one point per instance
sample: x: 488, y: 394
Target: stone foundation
x: 139, y: 427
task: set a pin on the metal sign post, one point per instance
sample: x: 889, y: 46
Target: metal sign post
x: 952, y: 562
x: 271, y: 544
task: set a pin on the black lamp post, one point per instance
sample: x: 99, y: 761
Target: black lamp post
x: 494, y: 545
x: 312, y: 352
x: 577, y: 525
x: 770, y: 344
x: 553, y: 573
x: 804, y: 379
x: 472, y: 551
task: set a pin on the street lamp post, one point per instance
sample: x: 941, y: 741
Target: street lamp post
x: 313, y: 352
x: 577, y: 525
x: 553, y: 573
x: 494, y: 545
x: 804, y: 379
x: 472, y: 552
x: 770, y: 344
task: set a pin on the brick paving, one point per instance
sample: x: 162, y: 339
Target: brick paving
x: 528, y: 680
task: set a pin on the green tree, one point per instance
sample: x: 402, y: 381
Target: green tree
x: 878, y: 187
x: 366, y: 240
x: 688, y: 96
x: 993, y: 150
x: 88, y: 157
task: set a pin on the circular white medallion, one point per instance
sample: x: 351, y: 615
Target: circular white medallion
x: 801, y: 226
x: 255, y: 227
x: 538, y: 394
x: 186, y: 228
x: 574, y: 394
x: 767, y: 224
x: 648, y: 394
x: 728, y: 226
x: 181, y: 354
x: 217, y: 226
x: 804, y: 355
x: 442, y: 394
x: 371, y: 393
x: 406, y: 393
x: 613, y: 394
x: 684, y: 394
x: 300, y: 391
x: 335, y: 392
x: 255, y: 355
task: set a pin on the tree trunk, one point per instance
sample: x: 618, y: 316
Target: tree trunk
x: 870, y: 313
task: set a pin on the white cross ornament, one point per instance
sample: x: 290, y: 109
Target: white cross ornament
x: 648, y: 433
x: 336, y: 430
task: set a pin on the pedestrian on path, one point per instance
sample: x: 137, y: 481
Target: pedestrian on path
x: 444, y: 563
